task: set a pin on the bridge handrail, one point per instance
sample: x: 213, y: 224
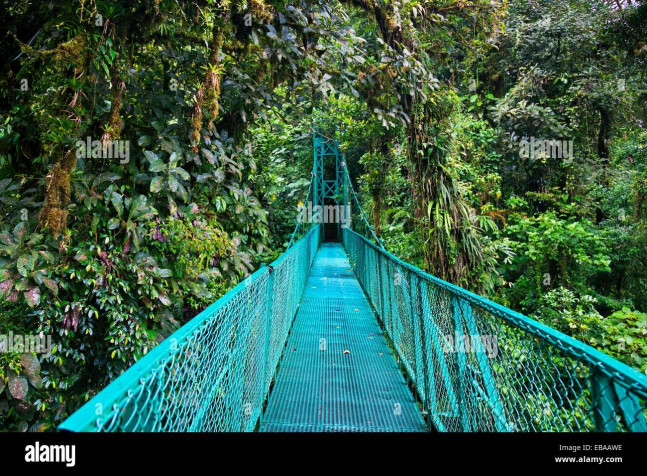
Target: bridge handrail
x: 214, y: 373
x: 617, y: 393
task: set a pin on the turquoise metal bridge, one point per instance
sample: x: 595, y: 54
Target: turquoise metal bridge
x: 347, y: 337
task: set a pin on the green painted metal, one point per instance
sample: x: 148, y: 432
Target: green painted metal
x: 302, y: 226
x: 215, y: 373
x: 527, y: 376
x: 534, y: 378
x: 337, y: 372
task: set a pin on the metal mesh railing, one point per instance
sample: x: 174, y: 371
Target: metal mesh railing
x: 214, y: 373
x: 478, y: 366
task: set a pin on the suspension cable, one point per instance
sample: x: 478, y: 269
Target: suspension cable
x: 299, y: 221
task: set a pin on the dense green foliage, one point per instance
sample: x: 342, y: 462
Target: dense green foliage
x: 214, y: 102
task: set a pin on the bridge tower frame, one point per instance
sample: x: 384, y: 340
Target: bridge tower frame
x: 326, y: 148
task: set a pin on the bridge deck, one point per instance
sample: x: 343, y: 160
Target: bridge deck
x: 337, y: 372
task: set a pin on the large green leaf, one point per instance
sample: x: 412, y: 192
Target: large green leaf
x: 157, y: 184
x: 18, y: 386
x: 25, y: 264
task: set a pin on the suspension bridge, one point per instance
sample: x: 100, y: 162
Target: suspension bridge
x: 344, y: 336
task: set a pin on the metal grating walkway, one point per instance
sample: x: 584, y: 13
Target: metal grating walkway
x: 337, y: 372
